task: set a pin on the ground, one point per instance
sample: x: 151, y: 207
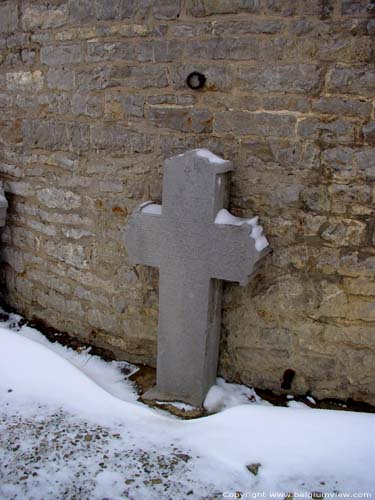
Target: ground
x: 71, y: 427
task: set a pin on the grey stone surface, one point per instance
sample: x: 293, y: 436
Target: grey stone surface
x: 55, y: 55
x: 193, y: 255
x: 8, y: 16
x: 299, y: 78
x: 369, y: 132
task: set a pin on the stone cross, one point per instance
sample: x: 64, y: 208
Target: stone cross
x: 194, y: 254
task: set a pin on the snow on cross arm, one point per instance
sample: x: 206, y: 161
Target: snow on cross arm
x: 225, y: 217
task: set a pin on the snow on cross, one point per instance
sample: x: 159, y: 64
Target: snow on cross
x: 196, y: 244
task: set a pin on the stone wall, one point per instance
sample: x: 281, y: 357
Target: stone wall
x: 92, y: 100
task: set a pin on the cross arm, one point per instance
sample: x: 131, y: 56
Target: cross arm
x: 234, y: 256
x: 142, y: 238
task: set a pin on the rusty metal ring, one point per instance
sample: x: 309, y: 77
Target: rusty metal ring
x: 196, y: 80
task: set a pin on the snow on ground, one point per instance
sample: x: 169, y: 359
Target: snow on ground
x: 71, y: 428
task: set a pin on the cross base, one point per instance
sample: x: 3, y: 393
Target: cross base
x: 156, y: 394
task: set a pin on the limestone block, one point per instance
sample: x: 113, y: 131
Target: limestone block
x: 336, y: 131
x: 25, y: 81
x: 56, y: 55
x: 60, y: 79
x: 344, y: 232
x: 58, y: 198
x: 166, y: 9
x: 44, y: 16
x: 261, y: 124
x: 365, y: 160
x: 369, y: 132
x: 352, y: 81
x: 8, y: 17
x: 184, y: 120
x: 300, y: 78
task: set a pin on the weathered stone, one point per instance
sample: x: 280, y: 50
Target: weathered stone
x: 90, y: 296
x: 54, y: 135
x: 359, y: 308
x: 81, y: 10
x: 8, y: 17
x: 119, y: 138
x: 54, y: 55
x: 71, y: 253
x: 253, y: 468
x: 42, y: 228
x: 344, y: 232
x: 359, y: 286
x: 28, y: 81
x: 369, y: 133
x: 123, y: 106
x: 14, y: 258
x: 12, y: 170
x: 60, y: 79
x: 58, y: 198
x: 111, y: 187
x: 345, y: 49
x: 333, y: 131
x: 300, y: 78
x: 222, y: 48
x: 28, y: 56
x: 352, y: 81
x: 312, y: 224
x: 270, y: 26
x: 166, y: 9
x: 339, y: 163
x: 87, y: 10
x: 76, y: 234
x: 54, y: 282
x: 346, y: 198
x: 354, y: 265
x: 182, y: 119
x: 371, y: 27
x: 263, y: 124
x: 289, y: 103
x: 159, y: 50
x: 44, y: 16
x: 365, y: 160
x: 316, y: 199
x: 20, y: 188
x: 123, y: 76
x: 117, y: 9
x: 356, y: 7
x: 87, y: 104
x: 104, y: 321
x: 17, y: 40
x: 118, y: 51
x: 191, y: 29
x: 208, y: 7
x: 60, y: 303
x: 342, y: 106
